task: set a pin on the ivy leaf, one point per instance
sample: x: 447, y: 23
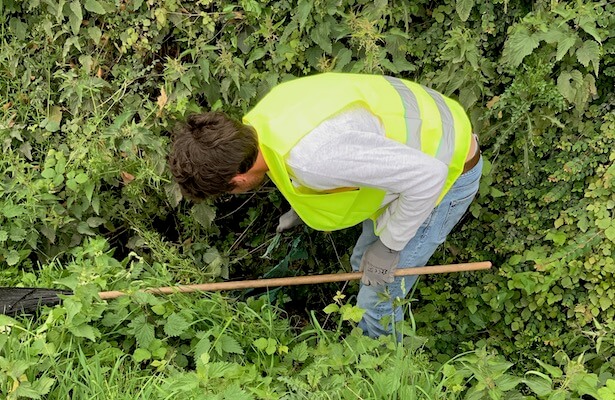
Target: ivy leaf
x: 521, y: 43
x: 464, y: 7
x: 589, y: 52
x: 94, y: 6
x: 176, y: 325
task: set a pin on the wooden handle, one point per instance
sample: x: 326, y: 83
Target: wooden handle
x: 300, y: 280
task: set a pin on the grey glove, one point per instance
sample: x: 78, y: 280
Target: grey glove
x: 288, y: 220
x: 378, y: 264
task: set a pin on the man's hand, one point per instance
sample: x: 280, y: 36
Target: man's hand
x: 288, y: 220
x: 378, y: 264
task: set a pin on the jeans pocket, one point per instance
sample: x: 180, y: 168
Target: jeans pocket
x: 453, y: 214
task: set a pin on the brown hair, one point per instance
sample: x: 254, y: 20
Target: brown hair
x: 208, y: 151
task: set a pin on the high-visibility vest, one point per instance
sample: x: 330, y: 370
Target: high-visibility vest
x: 412, y: 114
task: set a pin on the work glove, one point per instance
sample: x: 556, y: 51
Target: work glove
x: 378, y: 264
x: 288, y: 220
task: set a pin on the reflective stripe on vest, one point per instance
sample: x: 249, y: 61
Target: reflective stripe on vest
x: 418, y: 130
x: 411, y: 114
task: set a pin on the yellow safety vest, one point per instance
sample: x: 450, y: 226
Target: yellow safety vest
x: 412, y: 114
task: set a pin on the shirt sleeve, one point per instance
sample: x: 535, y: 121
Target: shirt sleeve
x: 412, y: 180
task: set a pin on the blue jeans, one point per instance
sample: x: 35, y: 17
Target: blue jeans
x: 417, y: 252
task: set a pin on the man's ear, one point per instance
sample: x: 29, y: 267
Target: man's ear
x: 238, y: 179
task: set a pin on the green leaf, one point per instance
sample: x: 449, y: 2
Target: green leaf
x: 331, y: 308
x: 95, y: 34
x: 94, y: 222
x: 48, y: 173
x: 230, y: 345
x: 260, y: 343
x: 75, y: 17
x: 13, y: 257
x: 553, y: 371
x: 256, y: 54
x: 53, y: 120
x: 13, y: 210
x: 204, y: 214
x: 142, y: 330
x: 519, y: 44
x: 235, y: 392
x: 343, y: 57
x: 84, y: 229
x: 81, y: 178
x: 85, y: 330
x: 610, y: 233
x: 4, y: 235
x: 94, y: 6
x: 273, y: 245
x: 159, y: 309
x: 5, y: 320
x: 271, y: 346
x: 43, y: 385
x: 17, y: 234
x: 589, y: 52
x: 141, y: 355
x: 539, y: 385
x: 564, y: 44
x: 588, y: 24
x: 299, y: 352
x: 176, y: 325
x: 33, y: 390
x: 304, y: 8
x: 352, y: 313
x: 321, y: 36
x: 174, y: 193
x: 463, y: 8
x: 568, y: 84
x: 202, y: 347
x: 72, y: 185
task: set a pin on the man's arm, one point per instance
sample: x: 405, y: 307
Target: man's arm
x: 413, y: 180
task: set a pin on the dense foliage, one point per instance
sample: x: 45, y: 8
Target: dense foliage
x: 89, y: 90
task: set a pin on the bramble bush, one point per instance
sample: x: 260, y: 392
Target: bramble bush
x: 90, y: 90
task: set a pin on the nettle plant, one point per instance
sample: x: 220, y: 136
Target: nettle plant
x: 91, y: 90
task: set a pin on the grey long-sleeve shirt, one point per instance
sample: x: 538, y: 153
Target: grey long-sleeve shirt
x: 351, y: 150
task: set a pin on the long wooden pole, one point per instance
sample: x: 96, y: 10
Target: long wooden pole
x: 300, y: 280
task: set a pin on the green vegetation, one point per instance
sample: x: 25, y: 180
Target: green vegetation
x: 89, y: 90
